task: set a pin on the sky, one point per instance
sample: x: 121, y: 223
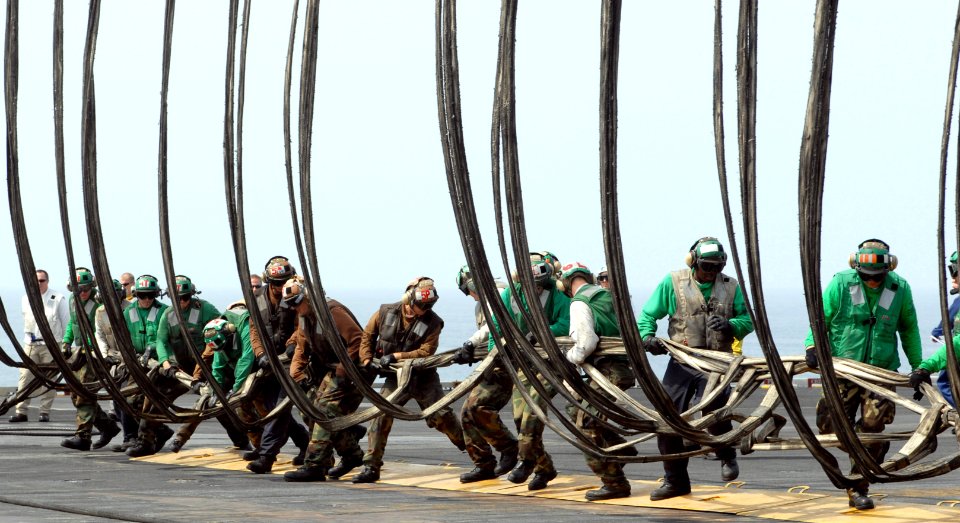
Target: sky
x: 382, y: 205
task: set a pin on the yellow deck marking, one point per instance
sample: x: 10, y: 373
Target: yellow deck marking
x: 805, y: 507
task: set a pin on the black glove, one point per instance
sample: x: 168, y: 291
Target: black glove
x: 263, y: 361
x: 170, y: 372
x: 653, y: 346
x: 67, y: 350
x: 289, y: 350
x: 464, y: 354
x: 111, y: 360
x: 721, y: 325
x: 531, y: 338
x: 195, y: 386
x: 919, y: 376
x: 306, y: 384
x: 387, y: 359
x: 811, y: 358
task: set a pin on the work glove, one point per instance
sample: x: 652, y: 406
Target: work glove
x: 263, y: 361
x: 170, y: 372
x: 111, y: 360
x: 531, y: 338
x: 576, y: 355
x: 811, y: 358
x: 653, y: 346
x: 305, y: 384
x: 464, y: 354
x: 918, y: 377
x: 67, y: 350
x: 289, y: 350
x: 721, y: 325
x: 148, y: 354
x: 386, y: 360
x: 196, y: 385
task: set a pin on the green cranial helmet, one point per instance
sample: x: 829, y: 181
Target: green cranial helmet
x: 146, y: 286
x: 707, y: 249
x: 550, y: 259
x: 542, y: 274
x: 118, y: 289
x: 84, y: 280
x: 873, y: 257
x: 185, y: 287
x: 465, y: 281
x: 571, y: 271
x: 217, y: 333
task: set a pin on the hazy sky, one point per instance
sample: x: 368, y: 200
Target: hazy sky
x: 380, y: 189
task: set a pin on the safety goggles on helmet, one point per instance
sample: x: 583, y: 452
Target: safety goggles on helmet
x: 953, y: 270
x: 215, y: 333
x: 710, y: 266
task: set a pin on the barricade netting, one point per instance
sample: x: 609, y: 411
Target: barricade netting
x: 635, y: 421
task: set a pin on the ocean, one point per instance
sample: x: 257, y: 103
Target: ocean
x: 785, y: 309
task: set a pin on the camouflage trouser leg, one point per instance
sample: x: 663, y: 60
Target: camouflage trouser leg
x: 876, y: 414
x: 170, y: 389
x: 251, y: 411
x: 337, y: 397
x: 531, y: 428
x: 480, y: 416
x: 186, y: 430
x: 89, y: 413
x: 425, y: 389
x: 618, y: 371
x: 517, y: 403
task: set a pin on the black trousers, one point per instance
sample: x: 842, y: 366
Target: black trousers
x: 683, y: 384
x: 279, y: 429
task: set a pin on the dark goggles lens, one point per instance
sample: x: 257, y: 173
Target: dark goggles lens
x: 603, y: 278
x: 710, y: 266
x: 872, y: 277
x: 953, y: 270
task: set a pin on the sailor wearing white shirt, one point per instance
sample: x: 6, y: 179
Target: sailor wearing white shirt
x: 55, y: 306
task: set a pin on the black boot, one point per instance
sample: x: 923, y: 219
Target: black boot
x: 508, y: 460
x: 477, y: 474
x: 729, y: 470
x: 140, y: 448
x: 859, y: 500
x: 358, y: 432
x: 306, y: 473
x: 77, y: 442
x: 177, y: 444
x: 367, y: 475
x: 522, y: 472
x: 127, y: 443
x: 667, y: 491
x: 540, y: 480
x: 107, y: 432
x: 347, y: 463
x: 619, y: 490
x: 251, y: 455
x: 262, y: 465
x: 301, y: 438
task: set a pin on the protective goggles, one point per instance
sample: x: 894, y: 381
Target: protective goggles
x: 872, y: 277
x: 953, y: 270
x: 214, y: 339
x: 603, y: 277
x: 707, y: 266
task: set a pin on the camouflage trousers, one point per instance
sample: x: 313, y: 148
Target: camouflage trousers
x: 618, y: 371
x: 425, y: 389
x: 875, y: 414
x: 334, y: 397
x: 530, y: 426
x: 480, y: 416
x: 169, y: 388
x: 89, y: 413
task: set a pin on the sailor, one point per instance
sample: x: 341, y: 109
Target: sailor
x: 107, y: 342
x: 480, y: 415
x: 318, y: 370
x: 707, y: 311
x: 534, y: 458
x: 592, y: 316
x: 865, y: 308
x: 89, y: 413
x: 406, y: 329
x: 143, y: 321
x: 936, y: 336
x: 280, y: 322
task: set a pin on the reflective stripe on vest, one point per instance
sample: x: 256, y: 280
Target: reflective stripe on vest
x: 88, y: 308
x: 151, y: 316
x: 688, y: 325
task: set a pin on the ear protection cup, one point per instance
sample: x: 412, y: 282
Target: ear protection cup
x: 688, y: 259
x: 893, y: 262
x: 229, y: 327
